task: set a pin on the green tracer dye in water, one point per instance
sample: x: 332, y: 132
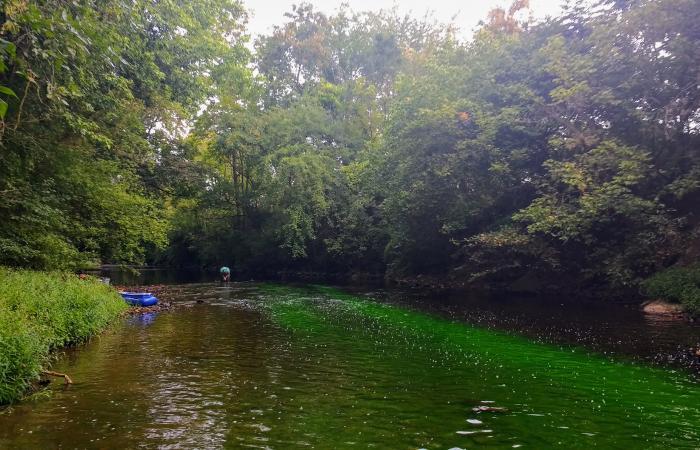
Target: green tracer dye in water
x: 554, y: 397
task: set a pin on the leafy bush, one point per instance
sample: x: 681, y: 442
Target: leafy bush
x: 678, y: 284
x: 40, y: 312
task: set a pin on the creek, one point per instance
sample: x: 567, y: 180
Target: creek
x: 249, y: 365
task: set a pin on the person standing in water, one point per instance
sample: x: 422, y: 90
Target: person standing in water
x: 225, y: 273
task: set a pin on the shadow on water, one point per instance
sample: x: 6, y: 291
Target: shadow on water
x: 140, y: 276
x: 611, y: 328
x: 272, y: 366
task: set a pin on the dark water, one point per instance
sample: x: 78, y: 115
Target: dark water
x: 264, y: 366
x: 614, y: 329
x: 143, y: 276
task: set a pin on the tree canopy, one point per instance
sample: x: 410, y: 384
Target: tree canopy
x: 565, y: 152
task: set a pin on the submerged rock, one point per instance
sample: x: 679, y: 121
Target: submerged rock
x: 161, y: 306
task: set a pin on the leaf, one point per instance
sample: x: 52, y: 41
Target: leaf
x: 6, y: 90
x: 3, y: 109
x: 8, y: 48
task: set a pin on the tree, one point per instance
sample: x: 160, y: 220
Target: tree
x: 97, y: 91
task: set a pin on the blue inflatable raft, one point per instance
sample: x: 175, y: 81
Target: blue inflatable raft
x: 139, y: 298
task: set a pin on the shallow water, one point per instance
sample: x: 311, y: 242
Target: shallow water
x: 267, y: 366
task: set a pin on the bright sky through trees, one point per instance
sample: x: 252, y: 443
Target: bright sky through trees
x: 466, y: 14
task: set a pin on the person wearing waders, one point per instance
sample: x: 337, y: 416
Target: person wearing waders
x: 225, y: 273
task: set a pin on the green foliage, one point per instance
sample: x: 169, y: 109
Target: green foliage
x: 564, y: 150
x: 93, y: 97
x: 377, y: 142
x: 594, y: 201
x: 529, y: 150
x: 677, y: 284
x: 40, y: 312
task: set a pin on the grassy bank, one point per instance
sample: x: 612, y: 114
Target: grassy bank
x: 40, y: 312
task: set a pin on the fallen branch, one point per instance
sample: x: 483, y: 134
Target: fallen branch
x: 58, y: 374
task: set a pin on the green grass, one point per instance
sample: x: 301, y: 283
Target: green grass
x: 43, y: 311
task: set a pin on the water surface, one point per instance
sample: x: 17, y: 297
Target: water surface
x: 268, y: 366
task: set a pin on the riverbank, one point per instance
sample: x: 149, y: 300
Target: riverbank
x: 44, y: 311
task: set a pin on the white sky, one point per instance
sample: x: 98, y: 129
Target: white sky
x: 266, y: 13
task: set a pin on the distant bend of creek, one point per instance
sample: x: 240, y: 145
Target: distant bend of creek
x: 249, y: 365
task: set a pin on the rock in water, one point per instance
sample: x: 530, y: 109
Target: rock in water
x: 496, y: 409
x: 662, y: 308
